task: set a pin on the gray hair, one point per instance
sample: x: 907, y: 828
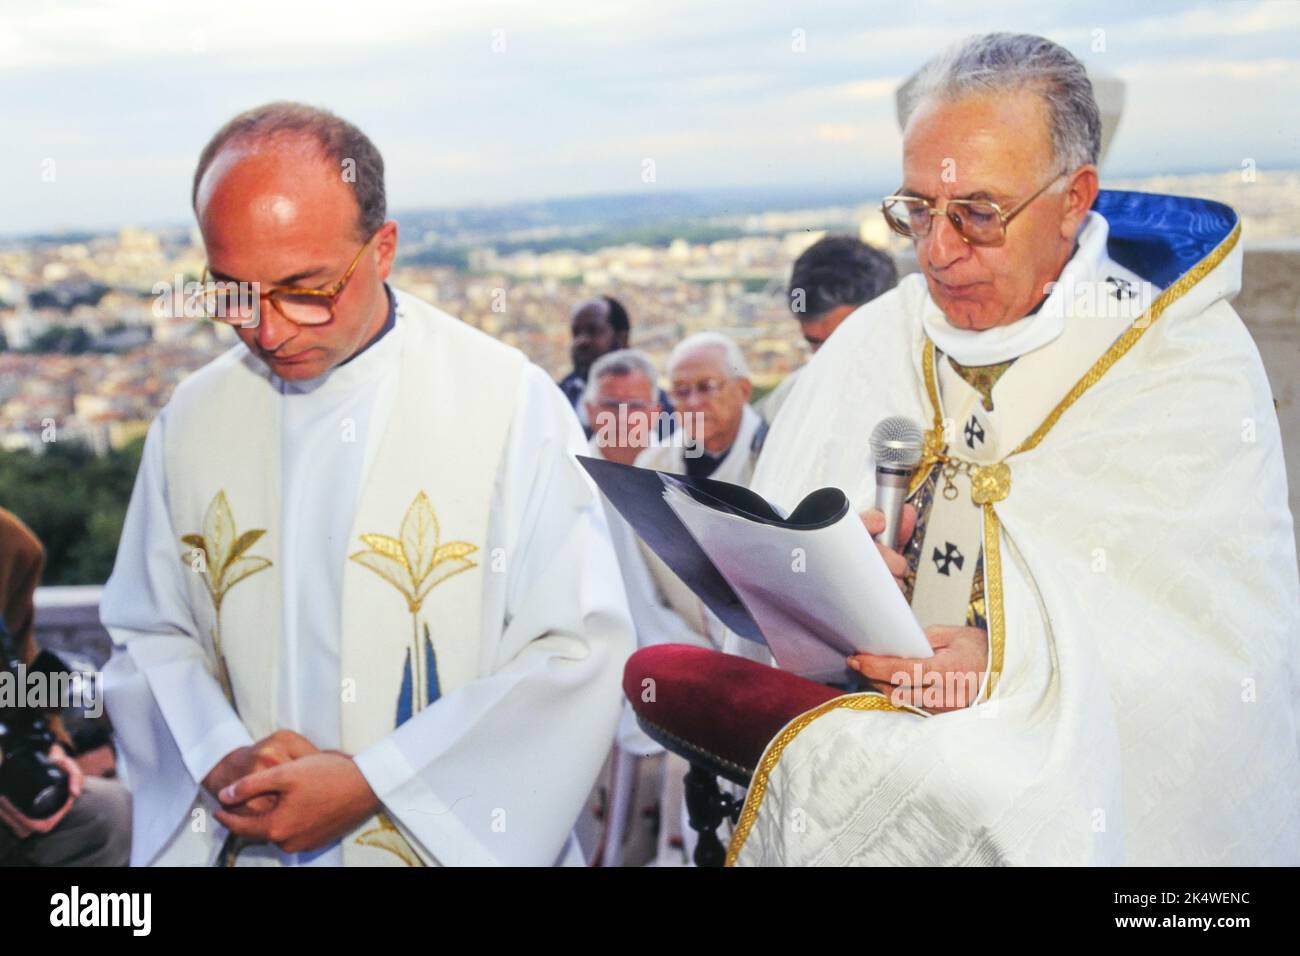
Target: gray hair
x: 618, y: 362
x: 732, y: 357
x: 998, y: 62
x: 339, y: 141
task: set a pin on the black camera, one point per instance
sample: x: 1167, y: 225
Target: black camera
x: 35, y: 786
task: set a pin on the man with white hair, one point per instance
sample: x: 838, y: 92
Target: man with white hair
x: 1098, y: 542
x: 720, y: 438
x: 722, y: 433
x: 620, y: 401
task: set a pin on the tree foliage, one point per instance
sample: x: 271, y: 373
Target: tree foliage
x: 75, y: 502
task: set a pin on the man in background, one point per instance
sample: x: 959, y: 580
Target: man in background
x: 720, y: 438
x: 599, y: 326
x: 620, y: 403
x: 831, y: 279
x: 709, y: 380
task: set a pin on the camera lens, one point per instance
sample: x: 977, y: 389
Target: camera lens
x: 49, y: 799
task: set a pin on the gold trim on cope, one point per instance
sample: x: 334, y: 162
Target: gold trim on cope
x: 993, y: 599
x: 932, y: 450
x: 1126, y: 341
x: 758, y: 785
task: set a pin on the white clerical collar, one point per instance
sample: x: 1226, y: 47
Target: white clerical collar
x: 1005, y: 342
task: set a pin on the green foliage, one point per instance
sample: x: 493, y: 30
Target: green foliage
x: 64, y: 339
x: 75, y: 502
x: 658, y: 234
x: 455, y: 256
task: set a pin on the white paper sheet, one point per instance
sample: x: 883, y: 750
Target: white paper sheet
x: 817, y: 595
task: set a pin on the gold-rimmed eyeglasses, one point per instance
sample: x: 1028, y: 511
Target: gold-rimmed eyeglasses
x: 236, y: 303
x: 979, y: 222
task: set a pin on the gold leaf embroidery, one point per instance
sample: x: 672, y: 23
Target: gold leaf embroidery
x: 225, y: 565
x: 410, y: 563
x: 389, y: 568
x: 386, y: 546
x: 437, y: 577
x: 219, y: 532
x: 243, y: 543
x: 453, y: 550
x: 386, y: 837
x: 241, y: 568
x: 420, y: 537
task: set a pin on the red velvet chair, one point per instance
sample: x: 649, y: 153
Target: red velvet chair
x: 717, y: 711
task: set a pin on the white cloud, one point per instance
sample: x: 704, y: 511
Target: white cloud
x: 1225, y: 19
x: 839, y: 133
x: 125, y: 93
x: 70, y: 33
x: 1144, y: 71
x: 877, y: 89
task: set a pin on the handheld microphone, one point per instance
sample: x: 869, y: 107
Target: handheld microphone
x: 896, y: 445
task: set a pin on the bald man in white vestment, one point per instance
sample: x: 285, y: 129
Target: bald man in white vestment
x: 365, y: 610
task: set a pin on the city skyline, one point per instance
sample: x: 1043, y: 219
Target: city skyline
x: 109, y: 104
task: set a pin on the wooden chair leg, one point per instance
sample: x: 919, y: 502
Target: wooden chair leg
x: 706, y: 807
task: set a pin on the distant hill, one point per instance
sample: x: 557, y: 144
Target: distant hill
x: 586, y: 223
x: 647, y: 207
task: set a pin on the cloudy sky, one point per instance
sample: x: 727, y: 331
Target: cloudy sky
x: 482, y: 101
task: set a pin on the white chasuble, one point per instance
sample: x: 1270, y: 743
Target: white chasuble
x: 411, y: 591
x: 1139, y: 704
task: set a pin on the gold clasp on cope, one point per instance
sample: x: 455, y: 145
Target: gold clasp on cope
x: 990, y: 483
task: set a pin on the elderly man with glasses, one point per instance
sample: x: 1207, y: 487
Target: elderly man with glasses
x: 1097, y: 539
x: 720, y: 437
x: 365, y: 610
x: 709, y: 383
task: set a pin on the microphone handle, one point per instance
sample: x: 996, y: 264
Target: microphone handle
x: 891, y: 490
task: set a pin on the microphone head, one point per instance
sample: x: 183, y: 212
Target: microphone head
x: 897, y: 441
